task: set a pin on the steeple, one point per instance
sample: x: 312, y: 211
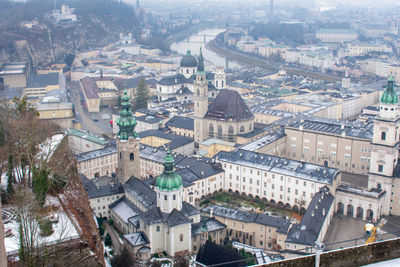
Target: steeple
x: 200, y: 64
x: 126, y: 122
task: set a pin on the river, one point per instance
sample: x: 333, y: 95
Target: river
x: 200, y: 39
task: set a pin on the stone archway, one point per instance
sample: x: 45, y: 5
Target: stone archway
x: 340, y: 208
x: 350, y: 210
x: 370, y: 215
x: 360, y: 212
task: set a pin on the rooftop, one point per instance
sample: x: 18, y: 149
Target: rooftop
x: 281, y: 224
x: 43, y: 80
x: 108, y: 150
x: 87, y: 136
x: 181, y: 122
x: 308, y: 230
x: 101, y: 187
x: 279, y: 165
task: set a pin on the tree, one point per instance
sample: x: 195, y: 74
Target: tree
x: 10, y: 176
x: 141, y: 96
x: 40, y: 185
x: 122, y: 260
x: 107, y: 240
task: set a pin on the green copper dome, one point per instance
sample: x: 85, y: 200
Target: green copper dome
x: 188, y: 60
x: 389, y: 96
x: 169, y: 180
x: 126, y: 122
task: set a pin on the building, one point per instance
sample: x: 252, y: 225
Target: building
x: 99, y: 91
x: 98, y: 163
x: 38, y: 86
x: 313, y: 226
x: 253, y: 229
x: 63, y: 16
x: 183, y: 126
x: 81, y: 141
x: 14, y: 74
x: 276, y: 179
x: 336, y: 35
x: 61, y: 113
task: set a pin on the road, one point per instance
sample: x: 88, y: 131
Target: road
x: 118, y: 247
x: 99, y: 127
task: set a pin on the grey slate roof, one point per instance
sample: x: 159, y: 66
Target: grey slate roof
x: 248, y: 217
x: 42, y: 80
x: 181, y: 122
x: 154, y: 216
x: 103, y: 189
x: 212, y: 225
x: 149, y: 119
x: 137, y: 239
x: 364, y: 131
x: 307, y: 231
x: 124, y: 209
x: 175, y: 79
x: 140, y: 191
x: 265, y: 140
x: 279, y: 165
x: 229, y: 105
x: 111, y: 149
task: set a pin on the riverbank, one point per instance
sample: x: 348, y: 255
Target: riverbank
x: 217, y: 45
x: 184, y: 34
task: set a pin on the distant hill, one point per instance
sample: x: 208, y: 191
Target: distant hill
x: 99, y: 23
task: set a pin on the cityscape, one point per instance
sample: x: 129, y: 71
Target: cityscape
x: 202, y: 133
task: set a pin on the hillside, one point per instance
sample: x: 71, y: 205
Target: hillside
x: 99, y: 23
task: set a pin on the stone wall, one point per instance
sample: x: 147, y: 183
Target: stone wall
x: 355, y: 256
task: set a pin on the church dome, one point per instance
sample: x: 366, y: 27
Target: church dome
x: 188, y: 61
x: 229, y: 105
x: 169, y: 180
x: 389, y: 96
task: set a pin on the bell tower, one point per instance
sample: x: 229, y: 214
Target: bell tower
x: 385, y: 143
x: 200, y: 101
x: 127, y: 143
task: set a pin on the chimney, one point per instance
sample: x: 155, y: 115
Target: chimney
x: 312, y: 214
x: 323, y: 212
x: 211, y: 212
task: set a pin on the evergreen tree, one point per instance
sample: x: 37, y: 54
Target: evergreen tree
x: 107, y: 240
x: 40, y: 185
x: 10, y: 176
x: 141, y: 96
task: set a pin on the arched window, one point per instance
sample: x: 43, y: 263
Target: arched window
x: 383, y: 136
x: 219, y: 131
x: 120, y: 155
x: 222, y: 83
x: 131, y: 157
x: 198, y: 92
x: 165, y: 197
x: 242, y: 129
x: 174, y: 197
x: 211, y: 130
x: 181, y: 237
x: 187, y: 71
x: 216, y: 83
x: 250, y: 127
x: 230, y: 132
x: 158, y: 228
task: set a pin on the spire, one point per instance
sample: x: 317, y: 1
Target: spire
x: 168, y: 163
x: 389, y: 96
x: 200, y: 65
x: 126, y: 122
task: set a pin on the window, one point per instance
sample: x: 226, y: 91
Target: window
x: 380, y: 168
x: 306, y: 149
x: 242, y: 129
x: 131, y: 157
x: 211, y: 130
x: 383, y: 136
x: 158, y: 228
x: 220, y: 131
x: 319, y: 151
x: 165, y: 197
x: 293, y: 147
x: 181, y: 237
x: 174, y: 197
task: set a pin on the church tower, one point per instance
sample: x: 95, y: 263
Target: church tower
x: 127, y: 143
x: 200, y: 91
x: 385, y: 143
x: 169, y: 187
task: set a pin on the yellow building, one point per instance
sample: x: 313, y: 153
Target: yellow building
x: 59, y: 113
x: 211, y: 147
